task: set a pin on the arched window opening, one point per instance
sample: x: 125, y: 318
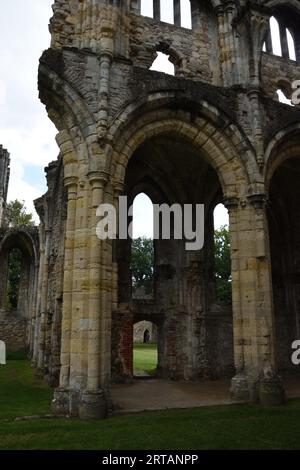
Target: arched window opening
x: 291, y: 45
x: 147, y: 8
x: 13, y: 279
x: 222, y: 260
x: 162, y: 64
x: 282, y: 37
x: 275, y: 34
x: 167, y: 11
x: 142, y: 248
x: 177, y: 12
x: 282, y: 98
x: 186, y: 14
x: 145, y: 350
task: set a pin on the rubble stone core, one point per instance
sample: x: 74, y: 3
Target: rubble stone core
x: 213, y: 133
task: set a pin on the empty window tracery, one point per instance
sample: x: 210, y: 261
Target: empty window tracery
x: 281, y: 38
x: 177, y: 12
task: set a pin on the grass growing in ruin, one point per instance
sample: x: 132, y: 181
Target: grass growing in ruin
x: 224, y: 427
x: 21, y: 394
x: 145, y: 358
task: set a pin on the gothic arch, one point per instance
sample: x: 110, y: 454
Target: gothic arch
x: 67, y: 110
x: 22, y: 237
x: 208, y: 129
x: 289, y: 3
x: 283, y: 145
x: 26, y: 240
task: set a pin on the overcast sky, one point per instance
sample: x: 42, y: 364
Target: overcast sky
x: 25, y: 129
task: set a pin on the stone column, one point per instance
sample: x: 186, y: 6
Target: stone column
x: 177, y: 12
x: 269, y: 43
x: 284, y: 42
x: 43, y: 305
x: 33, y: 308
x: 80, y: 298
x: 156, y: 10
x: 93, y: 400
x: 61, y: 403
x: 227, y: 43
x: 38, y: 297
x: 256, y: 371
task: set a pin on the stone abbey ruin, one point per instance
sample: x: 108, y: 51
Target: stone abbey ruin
x: 215, y: 132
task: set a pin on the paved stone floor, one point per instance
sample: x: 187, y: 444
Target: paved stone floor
x: 156, y: 394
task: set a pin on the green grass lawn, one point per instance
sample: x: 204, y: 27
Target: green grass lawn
x: 225, y: 427
x: 20, y: 392
x: 145, y: 358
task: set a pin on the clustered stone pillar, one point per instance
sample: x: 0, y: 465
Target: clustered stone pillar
x: 93, y: 403
x: 61, y: 396
x: 256, y: 372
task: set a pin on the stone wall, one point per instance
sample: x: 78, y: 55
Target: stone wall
x: 212, y: 133
x: 139, y: 332
x: 52, y: 211
x: 13, y: 331
x: 278, y: 73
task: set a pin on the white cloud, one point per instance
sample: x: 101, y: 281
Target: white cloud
x: 25, y: 129
x: 2, y: 93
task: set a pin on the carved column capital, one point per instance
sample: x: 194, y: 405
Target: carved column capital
x: 98, y: 178
x: 258, y: 200
x: 70, y: 183
x: 231, y: 203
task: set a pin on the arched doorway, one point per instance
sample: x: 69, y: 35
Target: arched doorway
x: 192, y: 324
x: 284, y: 228
x: 18, y: 286
x: 145, y: 351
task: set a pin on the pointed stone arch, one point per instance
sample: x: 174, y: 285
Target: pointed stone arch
x: 218, y: 139
x: 282, y: 146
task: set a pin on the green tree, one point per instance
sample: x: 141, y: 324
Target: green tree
x: 142, y: 264
x: 17, y: 215
x: 14, y: 277
x: 223, y: 263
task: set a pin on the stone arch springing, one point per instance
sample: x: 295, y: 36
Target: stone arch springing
x: 286, y: 140
x: 220, y: 145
